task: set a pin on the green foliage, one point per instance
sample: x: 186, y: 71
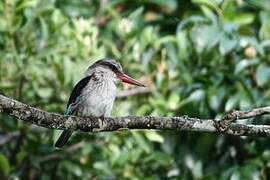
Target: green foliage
x: 4, y: 165
x: 203, y: 57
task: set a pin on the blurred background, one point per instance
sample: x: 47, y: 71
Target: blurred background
x: 199, y: 58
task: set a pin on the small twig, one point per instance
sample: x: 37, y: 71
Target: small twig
x: 56, y: 156
x: 134, y: 91
x: 230, y: 117
x: 8, y: 137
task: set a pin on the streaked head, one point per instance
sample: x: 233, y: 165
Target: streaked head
x: 116, y: 68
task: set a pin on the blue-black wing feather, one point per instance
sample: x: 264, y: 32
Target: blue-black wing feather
x: 73, y: 99
x: 76, y: 92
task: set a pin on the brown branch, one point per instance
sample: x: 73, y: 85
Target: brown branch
x: 225, y: 122
x: 8, y: 137
x: 56, y: 156
x: 93, y: 124
x: 134, y: 91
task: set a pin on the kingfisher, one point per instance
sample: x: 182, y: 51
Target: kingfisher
x: 95, y: 93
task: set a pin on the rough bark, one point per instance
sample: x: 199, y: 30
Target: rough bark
x: 93, y: 124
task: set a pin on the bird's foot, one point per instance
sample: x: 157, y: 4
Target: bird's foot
x: 102, y: 125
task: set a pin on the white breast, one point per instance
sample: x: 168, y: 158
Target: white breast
x: 97, y: 97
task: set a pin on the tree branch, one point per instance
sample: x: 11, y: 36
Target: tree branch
x: 58, y: 156
x: 94, y: 124
x: 4, y: 139
x: 135, y: 91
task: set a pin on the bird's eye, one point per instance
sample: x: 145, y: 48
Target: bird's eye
x: 114, y: 68
x: 119, y: 67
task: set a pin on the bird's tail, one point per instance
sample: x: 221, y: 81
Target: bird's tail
x: 61, y: 141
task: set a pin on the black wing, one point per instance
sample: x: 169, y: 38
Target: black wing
x: 76, y: 92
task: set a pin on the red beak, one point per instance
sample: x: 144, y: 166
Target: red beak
x: 127, y: 79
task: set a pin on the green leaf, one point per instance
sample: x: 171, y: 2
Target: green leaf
x: 4, y: 165
x: 244, y: 19
x: 209, y: 3
x: 262, y: 75
x: 154, y: 136
x: 232, y: 103
x: 170, y: 5
x: 142, y: 142
x: 243, y: 64
x: 45, y: 92
x: 160, y: 158
x: 143, y: 110
x: 264, y: 32
x: 226, y: 44
x: 173, y: 101
x: 197, y: 95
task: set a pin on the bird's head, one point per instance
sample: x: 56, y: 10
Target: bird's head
x: 113, y: 66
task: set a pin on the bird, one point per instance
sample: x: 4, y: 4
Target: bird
x: 95, y: 93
